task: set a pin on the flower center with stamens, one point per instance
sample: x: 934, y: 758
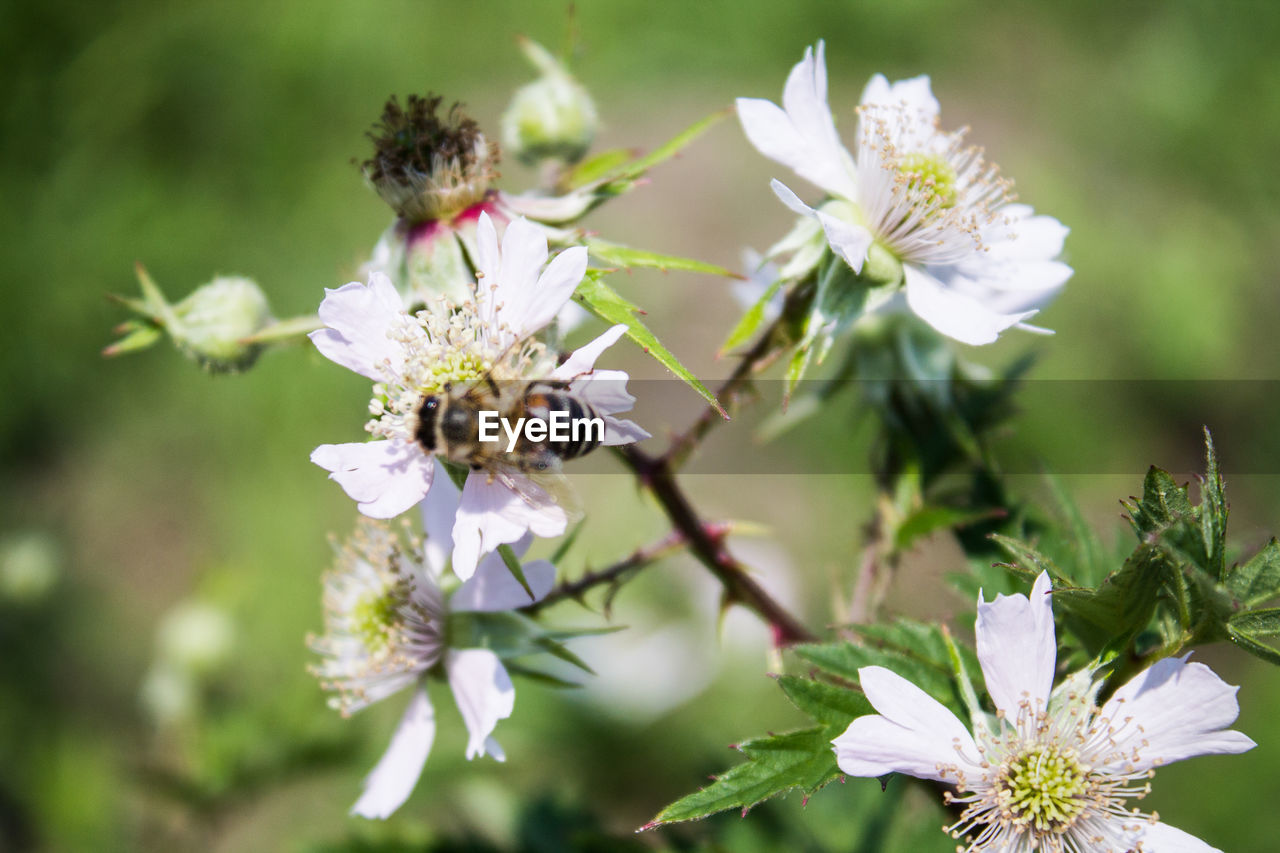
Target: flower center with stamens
x: 1045, y: 788
x: 375, y: 618
x: 460, y: 367
x: 932, y: 177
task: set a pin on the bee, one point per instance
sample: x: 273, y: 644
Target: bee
x: 451, y: 423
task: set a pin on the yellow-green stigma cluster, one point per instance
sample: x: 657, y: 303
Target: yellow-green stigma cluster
x: 932, y: 177
x: 375, y: 618
x: 1045, y: 788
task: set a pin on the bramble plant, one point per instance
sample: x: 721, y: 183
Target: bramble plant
x: 912, y: 242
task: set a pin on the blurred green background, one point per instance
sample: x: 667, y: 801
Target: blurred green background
x: 219, y: 137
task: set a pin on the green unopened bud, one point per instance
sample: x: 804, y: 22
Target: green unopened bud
x: 216, y: 321
x: 196, y: 638
x: 223, y: 325
x: 552, y: 118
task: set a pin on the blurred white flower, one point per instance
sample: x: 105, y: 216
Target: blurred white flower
x: 196, y: 636
x: 385, y: 628
x: 30, y: 565
x: 414, y: 358
x: 1051, y: 771
x: 973, y: 263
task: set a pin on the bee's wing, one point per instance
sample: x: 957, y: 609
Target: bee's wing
x: 538, y: 486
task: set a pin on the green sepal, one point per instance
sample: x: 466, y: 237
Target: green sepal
x: 1258, y: 580
x: 605, y: 303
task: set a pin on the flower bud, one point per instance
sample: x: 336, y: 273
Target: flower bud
x: 552, y: 118
x: 429, y: 166
x: 212, y: 324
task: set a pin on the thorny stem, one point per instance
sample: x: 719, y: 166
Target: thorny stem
x: 707, y: 544
x: 613, y: 575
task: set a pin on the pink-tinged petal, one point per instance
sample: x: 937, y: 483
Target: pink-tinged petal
x: 1017, y: 648
x: 438, y: 511
x: 554, y: 289
x: 358, y: 319
x: 802, y: 134
x: 583, y: 359
x: 491, y: 513
x: 384, y: 477
x: 389, y: 784
x: 1162, y: 838
x: 956, y: 315
x: 913, y: 734
x: 1173, y: 710
x: 483, y: 691
x: 493, y: 587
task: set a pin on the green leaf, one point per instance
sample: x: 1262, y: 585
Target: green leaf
x: 512, y: 563
x: 555, y: 649
x: 628, y: 258
x: 1252, y: 646
x: 612, y: 308
x: 629, y: 172
x: 845, y: 659
x: 544, y: 678
x: 596, y: 167
x: 566, y: 543
x: 929, y: 519
x: 1213, y: 513
x: 1259, y: 579
x: 826, y: 703
x: 776, y: 764
x: 1163, y: 502
x: 751, y: 320
x: 1264, y: 622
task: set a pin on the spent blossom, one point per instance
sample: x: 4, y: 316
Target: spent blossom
x: 1051, y: 771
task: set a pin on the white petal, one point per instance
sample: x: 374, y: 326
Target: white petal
x: 913, y: 734
x: 1017, y: 649
x: 385, y: 477
x: 483, y: 691
x: 358, y: 319
x: 389, y: 784
x: 1162, y: 838
x: 802, y: 134
x: 493, y: 587
x: 492, y: 514
x: 605, y: 390
x: 955, y: 314
x: 438, y: 511
x: 1173, y: 710
x: 583, y: 359
x: 849, y: 241
x: 488, y: 264
x: 554, y: 289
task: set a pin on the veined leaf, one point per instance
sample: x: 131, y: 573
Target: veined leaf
x: 826, y: 703
x: 775, y: 764
x: 628, y: 258
x: 609, y: 306
x: 1213, y: 513
x: 1258, y: 580
x: 929, y: 519
x: 596, y: 167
